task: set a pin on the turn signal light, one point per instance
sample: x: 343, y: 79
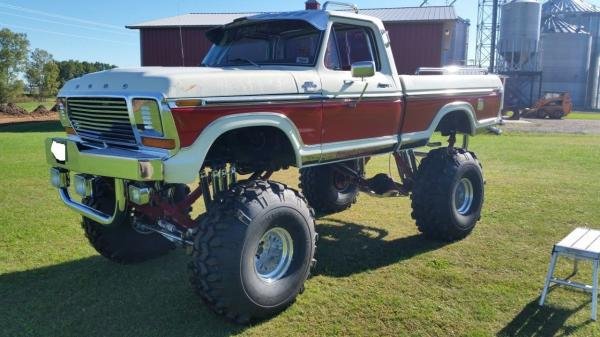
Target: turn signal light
x: 161, y: 143
x: 186, y: 103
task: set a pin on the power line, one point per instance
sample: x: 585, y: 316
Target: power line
x: 67, y: 34
x: 33, y: 11
x: 69, y: 24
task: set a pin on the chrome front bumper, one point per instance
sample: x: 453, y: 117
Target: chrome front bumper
x: 109, y: 162
x: 123, y: 165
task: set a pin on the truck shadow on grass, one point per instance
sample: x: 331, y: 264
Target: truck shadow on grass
x: 534, y: 321
x: 95, y: 297
x: 346, y: 248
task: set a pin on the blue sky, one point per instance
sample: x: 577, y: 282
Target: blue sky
x: 99, y: 35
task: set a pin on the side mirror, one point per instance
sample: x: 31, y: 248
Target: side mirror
x: 363, y: 69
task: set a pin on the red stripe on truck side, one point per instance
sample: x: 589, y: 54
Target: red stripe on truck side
x: 191, y: 121
x: 370, y: 118
x: 420, y: 111
x: 317, y: 121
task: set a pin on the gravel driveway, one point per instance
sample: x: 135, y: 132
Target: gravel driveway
x: 553, y: 126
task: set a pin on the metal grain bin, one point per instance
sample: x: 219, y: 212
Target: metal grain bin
x: 565, y: 55
x: 519, y: 35
x: 554, y: 7
x: 586, y: 15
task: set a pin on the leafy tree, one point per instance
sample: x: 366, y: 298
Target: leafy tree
x: 71, y: 69
x: 42, y: 73
x: 15, y: 90
x: 13, y: 57
x: 51, y: 83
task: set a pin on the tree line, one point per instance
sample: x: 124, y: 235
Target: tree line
x: 42, y: 74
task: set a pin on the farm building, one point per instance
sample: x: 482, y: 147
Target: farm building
x: 420, y: 37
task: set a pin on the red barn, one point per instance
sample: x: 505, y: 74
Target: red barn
x: 420, y: 37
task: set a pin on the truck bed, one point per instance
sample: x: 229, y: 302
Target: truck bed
x: 428, y: 95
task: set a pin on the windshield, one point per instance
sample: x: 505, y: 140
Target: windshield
x: 282, y: 42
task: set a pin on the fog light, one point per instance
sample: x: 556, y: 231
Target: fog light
x: 59, y: 178
x: 139, y: 195
x: 84, y: 185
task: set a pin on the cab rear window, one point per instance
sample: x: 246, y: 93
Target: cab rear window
x: 280, y: 42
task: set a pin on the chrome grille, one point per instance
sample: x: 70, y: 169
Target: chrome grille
x: 101, y: 119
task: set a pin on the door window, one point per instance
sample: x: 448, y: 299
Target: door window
x: 349, y: 44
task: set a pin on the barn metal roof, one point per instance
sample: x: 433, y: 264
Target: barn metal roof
x: 401, y: 14
x: 433, y: 13
x: 568, y: 6
x: 192, y: 20
x: 553, y: 24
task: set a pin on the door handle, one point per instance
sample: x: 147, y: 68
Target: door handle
x: 383, y: 85
x: 348, y: 82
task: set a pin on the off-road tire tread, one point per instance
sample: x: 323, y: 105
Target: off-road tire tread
x: 309, y: 184
x: 436, y: 172
x: 204, y: 269
x: 97, y: 237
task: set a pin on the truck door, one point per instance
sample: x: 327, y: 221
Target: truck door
x: 378, y: 113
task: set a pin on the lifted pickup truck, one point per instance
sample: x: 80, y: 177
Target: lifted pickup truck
x: 313, y: 89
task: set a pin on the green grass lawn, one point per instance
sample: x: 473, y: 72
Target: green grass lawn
x: 375, y: 276
x: 584, y: 115
x: 30, y: 106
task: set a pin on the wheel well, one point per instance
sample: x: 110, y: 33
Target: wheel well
x: 252, y: 149
x: 457, y: 121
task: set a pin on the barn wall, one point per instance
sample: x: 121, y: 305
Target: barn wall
x: 416, y: 45
x: 162, y: 46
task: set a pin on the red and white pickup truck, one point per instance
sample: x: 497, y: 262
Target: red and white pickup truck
x: 313, y: 89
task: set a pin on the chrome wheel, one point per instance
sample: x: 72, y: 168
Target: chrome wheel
x: 463, y: 196
x: 273, y: 254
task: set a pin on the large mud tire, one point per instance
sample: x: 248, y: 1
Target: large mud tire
x: 224, y: 270
x: 327, y: 190
x: 120, y: 242
x: 440, y: 198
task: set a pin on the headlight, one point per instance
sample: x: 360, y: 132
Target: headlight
x: 147, y: 117
x: 61, y: 104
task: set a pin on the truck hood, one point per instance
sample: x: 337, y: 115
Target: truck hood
x: 183, y: 82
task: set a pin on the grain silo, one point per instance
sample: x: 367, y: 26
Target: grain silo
x: 519, y: 35
x: 582, y: 14
x: 565, y: 58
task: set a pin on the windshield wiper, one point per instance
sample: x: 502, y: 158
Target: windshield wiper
x: 245, y: 60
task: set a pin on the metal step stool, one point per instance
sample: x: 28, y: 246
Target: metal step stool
x: 580, y: 244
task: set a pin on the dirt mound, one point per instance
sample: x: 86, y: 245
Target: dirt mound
x: 41, y: 111
x: 12, y: 109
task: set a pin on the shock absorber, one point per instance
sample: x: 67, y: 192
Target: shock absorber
x: 232, y: 175
x: 220, y: 179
